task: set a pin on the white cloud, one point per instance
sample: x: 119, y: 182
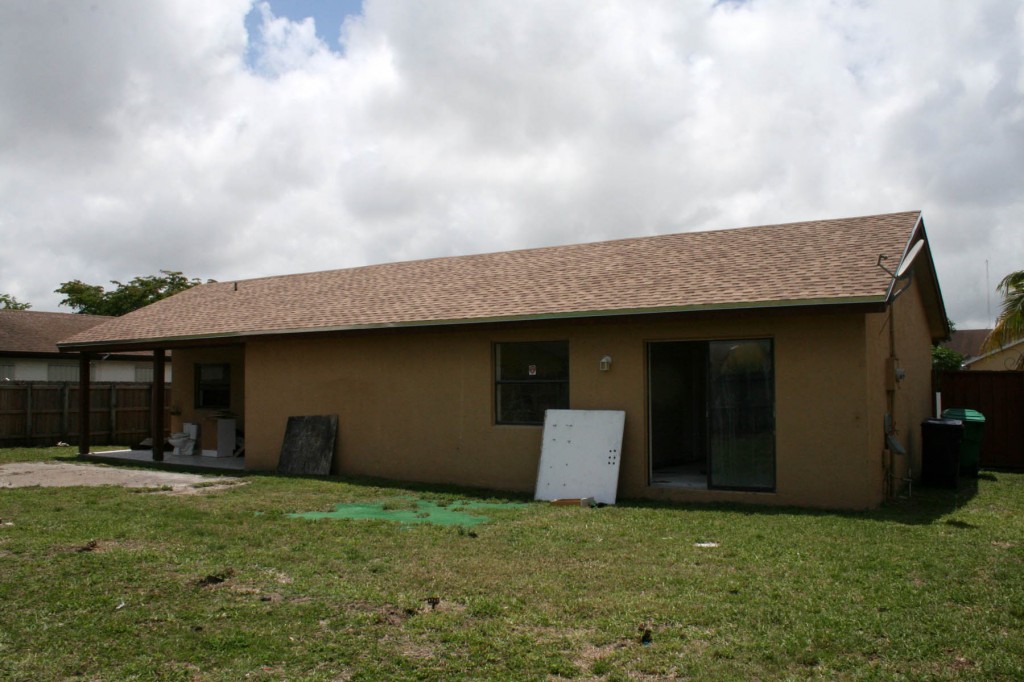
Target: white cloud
x: 139, y: 136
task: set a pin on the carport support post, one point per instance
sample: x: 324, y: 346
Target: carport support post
x: 83, y: 403
x: 157, y: 405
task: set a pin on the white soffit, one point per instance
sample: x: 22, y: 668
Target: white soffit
x: 580, y: 455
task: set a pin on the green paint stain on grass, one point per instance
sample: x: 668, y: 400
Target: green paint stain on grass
x: 408, y: 510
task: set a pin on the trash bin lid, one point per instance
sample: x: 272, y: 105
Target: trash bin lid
x: 963, y: 414
x: 942, y: 422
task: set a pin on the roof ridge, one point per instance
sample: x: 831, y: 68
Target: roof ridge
x: 532, y: 249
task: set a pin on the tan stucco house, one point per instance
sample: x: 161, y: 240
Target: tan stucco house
x: 1006, y: 358
x: 970, y: 343
x: 783, y: 364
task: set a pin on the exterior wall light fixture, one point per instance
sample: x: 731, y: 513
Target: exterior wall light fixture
x: 605, y: 364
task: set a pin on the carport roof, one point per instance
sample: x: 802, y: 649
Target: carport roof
x: 823, y: 262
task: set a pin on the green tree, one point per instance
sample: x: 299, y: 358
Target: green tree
x: 946, y: 359
x: 1010, y: 324
x: 8, y: 302
x: 93, y: 299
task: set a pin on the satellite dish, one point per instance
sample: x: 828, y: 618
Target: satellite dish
x: 908, y: 260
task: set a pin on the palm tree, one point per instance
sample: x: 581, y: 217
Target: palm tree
x: 1010, y: 325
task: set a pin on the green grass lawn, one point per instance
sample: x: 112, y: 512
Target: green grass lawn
x: 110, y: 584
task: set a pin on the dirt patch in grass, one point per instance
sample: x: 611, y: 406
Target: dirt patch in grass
x: 63, y: 474
x: 215, y: 578
x: 590, y: 654
x: 395, y: 615
x: 415, y: 649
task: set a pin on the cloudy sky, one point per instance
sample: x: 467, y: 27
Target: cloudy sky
x: 231, y: 140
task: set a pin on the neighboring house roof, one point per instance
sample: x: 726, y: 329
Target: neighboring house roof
x: 826, y: 262
x: 1012, y: 350
x: 32, y: 333
x: 968, y: 342
x: 37, y: 333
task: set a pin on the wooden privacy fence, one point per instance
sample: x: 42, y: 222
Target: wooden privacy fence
x: 44, y: 412
x: 1000, y: 397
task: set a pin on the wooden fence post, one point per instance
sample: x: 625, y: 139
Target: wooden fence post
x: 65, y: 410
x: 83, y: 403
x: 156, y: 407
x: 113, y: 412
x: 28, y: 412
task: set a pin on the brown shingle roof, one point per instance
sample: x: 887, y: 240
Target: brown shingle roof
x: 830, y: 261
x: 967, y: 342
x: 29, y: 331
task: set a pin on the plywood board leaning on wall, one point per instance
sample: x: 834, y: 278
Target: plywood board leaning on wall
x: 308, y: 446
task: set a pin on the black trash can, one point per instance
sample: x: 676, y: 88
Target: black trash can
x: 940, y: 452
x: 970, y: 448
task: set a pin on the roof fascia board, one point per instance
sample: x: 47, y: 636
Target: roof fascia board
x: 906, y: 249
x: 1010, y: 346
x: 135, y: 356
x: 867, y: 303
x: 28, y: 354
x: 916, y: 233
x: 934, y: 280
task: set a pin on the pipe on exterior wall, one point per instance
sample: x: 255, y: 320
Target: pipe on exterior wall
x: 890, y: 402
x: 886, y: 471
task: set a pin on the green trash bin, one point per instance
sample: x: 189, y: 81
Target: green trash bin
x: 970, y: 446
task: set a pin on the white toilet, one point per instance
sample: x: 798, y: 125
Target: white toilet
x: 184, y: 442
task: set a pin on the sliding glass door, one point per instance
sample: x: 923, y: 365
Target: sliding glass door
x: 712, y: 414
x: 741, y: 415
